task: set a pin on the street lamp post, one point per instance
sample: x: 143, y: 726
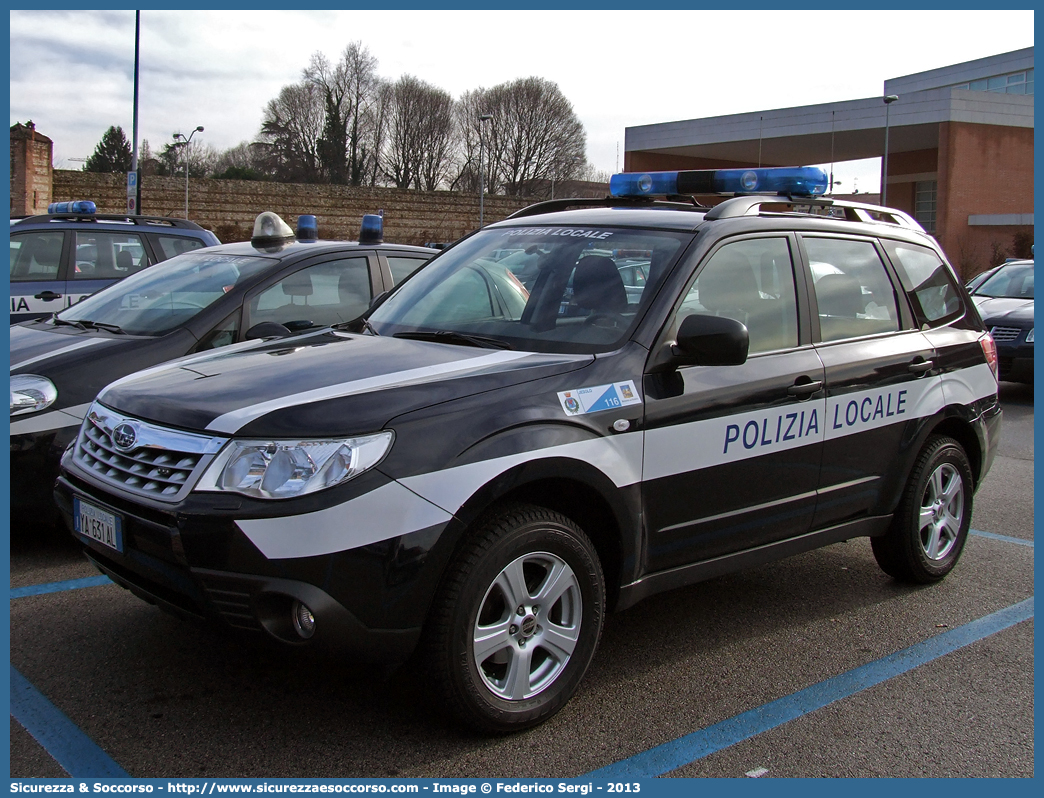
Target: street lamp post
x: 482, y: 119
x: 184, y: 148
x: 888, y: 100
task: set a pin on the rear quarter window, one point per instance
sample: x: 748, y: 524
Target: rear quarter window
x: 928, y: 281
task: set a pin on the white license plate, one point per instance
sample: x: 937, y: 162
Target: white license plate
x: 97, y: 524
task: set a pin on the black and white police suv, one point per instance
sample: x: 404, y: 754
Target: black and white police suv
x: 71, y: 252
x: 500, y: 457
x: 231, y: 294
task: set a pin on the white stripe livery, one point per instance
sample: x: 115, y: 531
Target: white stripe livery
x: 62, y: 351
x: 231, y: 423
x: 417, y: 502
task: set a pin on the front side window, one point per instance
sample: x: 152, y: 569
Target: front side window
x: 853, y: 290
x: 108, y: 256
x: 323, y: 294
x: 751, y: 281
x: 35, y: 256
x: 547, y: 289
x: 162, y: 298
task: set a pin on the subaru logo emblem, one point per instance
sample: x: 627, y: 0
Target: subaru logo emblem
x: 124, y: 436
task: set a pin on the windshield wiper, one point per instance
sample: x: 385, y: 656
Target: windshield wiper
x: 62, y: 322
x: 354, y: 326
x: 452, y: 337
x: 103, y: 325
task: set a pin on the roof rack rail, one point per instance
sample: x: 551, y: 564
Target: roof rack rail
x: 854, y: 211
x: 675, y: 201
x: 127, y: 218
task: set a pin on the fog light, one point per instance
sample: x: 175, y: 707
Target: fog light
x: 304, y: 621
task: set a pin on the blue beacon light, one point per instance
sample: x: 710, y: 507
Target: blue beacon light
x: 807, y: 181
x: 372, y: 230
x: 76, y: 206
x: 307, y: 228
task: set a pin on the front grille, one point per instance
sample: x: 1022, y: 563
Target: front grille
x: 142, y: 458
x: 1003, y: 335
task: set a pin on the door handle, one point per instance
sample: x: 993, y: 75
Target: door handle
x: 921, y: 366
x: 48, y: 296
x: 803, y: 389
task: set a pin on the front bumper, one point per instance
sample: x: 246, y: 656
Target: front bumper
x: 368, y: 602
x: 35, y: 459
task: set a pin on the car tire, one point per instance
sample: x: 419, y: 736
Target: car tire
x: 499, y: 669
x: 930, y: 526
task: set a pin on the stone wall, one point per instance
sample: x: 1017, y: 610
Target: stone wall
x: 229, y: 207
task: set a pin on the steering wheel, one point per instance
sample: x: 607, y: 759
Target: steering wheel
x: 181, y: 304
x: 607, y: 320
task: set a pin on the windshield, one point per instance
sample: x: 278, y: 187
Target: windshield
x: 548, y: 289
x: 165, y: 296
x: 1013, y: 282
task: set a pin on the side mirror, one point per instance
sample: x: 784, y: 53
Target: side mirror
x: 710, y: 341
x: 266, y: 329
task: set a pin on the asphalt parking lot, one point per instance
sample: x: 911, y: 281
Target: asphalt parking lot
x: 819, y: 665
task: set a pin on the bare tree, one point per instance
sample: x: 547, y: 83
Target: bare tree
x: 346, y: 88
x: 418, y: 151
x: 437, y: 136
x: 291, y: 130
x: 534, y: 134
x: 469, y: 107
x: 378, y: 121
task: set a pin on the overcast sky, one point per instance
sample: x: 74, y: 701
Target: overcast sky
x: 72, y: 71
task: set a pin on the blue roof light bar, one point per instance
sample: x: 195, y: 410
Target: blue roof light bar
x: 75, y: 206
x: 806, y: 181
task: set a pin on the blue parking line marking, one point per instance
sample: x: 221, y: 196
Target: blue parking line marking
x: 57, y: 587
x: 78, y: 755
x: 1005, y: 538
x: 692, y: 747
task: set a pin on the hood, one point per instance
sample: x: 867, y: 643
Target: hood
x: 997, y: 310
x: 327, y: 385
x: 31, y: 345
x: 80, y: 363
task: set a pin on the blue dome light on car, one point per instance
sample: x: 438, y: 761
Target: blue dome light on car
x: 806, y: 181
x: 372, y: 231
x: 307, y: 228
x: 75, y: 206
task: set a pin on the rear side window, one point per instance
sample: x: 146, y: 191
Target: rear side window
x: 169, y: 246
x: 35, y: 256
x: 854, y: 293
x: 401, y: 268
x: 929, y: 283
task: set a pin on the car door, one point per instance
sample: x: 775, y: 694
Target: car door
x: 100, y: 258
x: 732, y: 453
x: 38, y: 279
x: 878, y: 371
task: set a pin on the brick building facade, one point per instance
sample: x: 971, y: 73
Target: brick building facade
x: 960, y: 150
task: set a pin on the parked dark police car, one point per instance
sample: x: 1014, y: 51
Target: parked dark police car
x: 196, y: 302
x: 488, y: 468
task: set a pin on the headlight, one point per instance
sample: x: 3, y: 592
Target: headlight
x: 1029, y: 336
x: 285, y: 469
x: 30, y: 393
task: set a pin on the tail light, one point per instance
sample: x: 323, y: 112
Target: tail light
x: 989, y: 349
